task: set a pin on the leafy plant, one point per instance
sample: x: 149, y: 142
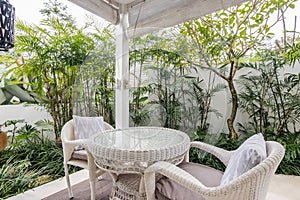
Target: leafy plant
x: 29, y: 162
x: 271, y: 100
x: 12, y: 89
x: 203, y: 96
x: 140, y: 92
x: 51, y: 54
x: 15, y: 177
x: 93, y: 91
x: 292, y: 49
x: 9, y: 86
x: 12, y: 132
x: 139, y: 113
x: 174, y: 89
x: 223, y: 38
x: 168, y: 68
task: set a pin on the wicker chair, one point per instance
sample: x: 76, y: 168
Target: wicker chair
x: 252, y: 185
x: 82, y: 158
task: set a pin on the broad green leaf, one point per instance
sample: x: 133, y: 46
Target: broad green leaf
x: 2, y: 97
x: 19, y: 92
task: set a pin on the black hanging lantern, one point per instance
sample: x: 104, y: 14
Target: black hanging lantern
x: 7, y: 25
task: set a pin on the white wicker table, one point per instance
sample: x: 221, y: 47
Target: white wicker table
x: 126, y: 153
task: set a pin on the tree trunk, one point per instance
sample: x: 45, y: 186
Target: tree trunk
x: 234, y: 103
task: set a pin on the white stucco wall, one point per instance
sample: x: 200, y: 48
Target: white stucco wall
x: 29, y: 113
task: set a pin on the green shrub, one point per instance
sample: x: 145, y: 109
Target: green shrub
x: 16, y: 177
x: 29, y: 162
x: 290, y: 164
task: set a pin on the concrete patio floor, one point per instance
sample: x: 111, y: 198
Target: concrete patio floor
x: 282, y: 188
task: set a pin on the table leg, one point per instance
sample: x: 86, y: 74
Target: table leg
x: 142, y: 184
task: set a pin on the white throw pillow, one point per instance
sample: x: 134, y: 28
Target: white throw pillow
x: 247, y: 156
x: 85, y: 127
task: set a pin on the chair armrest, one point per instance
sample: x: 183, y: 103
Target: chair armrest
x: 220, y: 153
x: 173, y: 172
x: 82, y: 142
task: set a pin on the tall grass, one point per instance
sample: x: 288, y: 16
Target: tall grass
x: 15, y: 177
x: 29, y: 162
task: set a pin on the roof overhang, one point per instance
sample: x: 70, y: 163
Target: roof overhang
x: 145, y: 16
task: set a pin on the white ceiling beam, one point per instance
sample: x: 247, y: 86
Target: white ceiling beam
x: 152, y: 8
x: 147, y: 20
x: 99, y: 8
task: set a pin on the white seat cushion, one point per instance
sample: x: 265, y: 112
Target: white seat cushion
x: 247, y: 156
x: 80, y: 155
x: 169, y: 189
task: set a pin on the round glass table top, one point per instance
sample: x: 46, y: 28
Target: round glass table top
x: 138, y: 144
x: 140, y: 138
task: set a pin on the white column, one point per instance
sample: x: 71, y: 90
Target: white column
x: 122, y: 71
